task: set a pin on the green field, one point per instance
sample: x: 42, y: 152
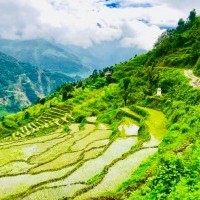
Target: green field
x: 76, y: 164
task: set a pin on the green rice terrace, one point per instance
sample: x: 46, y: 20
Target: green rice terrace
x: 80, y: 163
x: 130, y: 131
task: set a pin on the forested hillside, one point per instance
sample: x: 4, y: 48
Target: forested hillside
x: 21, y: 84
x: 111, y: 136
x: 179, y: 47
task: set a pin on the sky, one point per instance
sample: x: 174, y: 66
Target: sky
x: 84, y: 23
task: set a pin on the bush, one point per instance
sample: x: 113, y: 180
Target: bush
x: 110, y: 116
x: 9, y: 124
x: 175, y: 127
x: 197, y: 68
x: 66, y: 128
x: 26, y: 115
x: 185, y: 128
x: 168, y: 175
x: 143, y: 133
x: 80, y: 118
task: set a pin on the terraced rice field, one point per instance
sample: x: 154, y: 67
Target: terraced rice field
x: 79, y: 164
x: 54, y: 116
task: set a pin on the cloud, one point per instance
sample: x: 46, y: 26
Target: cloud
x: 134, y: 23
x: 141, y: 35
x: 130, y: 3
x: 184, y: 5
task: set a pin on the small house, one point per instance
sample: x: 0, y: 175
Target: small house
x: 108, y: 74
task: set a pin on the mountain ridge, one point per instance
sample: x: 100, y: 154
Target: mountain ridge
x: 22, y: 84
x: 69, y: 59
x: 45, y: 55
x: 111, y: 135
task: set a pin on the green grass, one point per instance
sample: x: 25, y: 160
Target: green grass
x: 156, y: 123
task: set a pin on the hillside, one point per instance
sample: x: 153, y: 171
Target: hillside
x: 21, y: 84
x: 45, y: 55
x: 111, y: 136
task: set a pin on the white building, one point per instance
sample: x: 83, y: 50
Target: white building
x: 159, y: 92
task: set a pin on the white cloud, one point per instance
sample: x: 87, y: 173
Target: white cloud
x: 88, y: 22
x: 142, y: 37
x: 184, y: 5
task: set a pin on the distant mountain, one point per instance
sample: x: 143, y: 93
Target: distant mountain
x: 104, y: 54
x: 69, y: 59
x: 45, y: 55
x: 21, y: 83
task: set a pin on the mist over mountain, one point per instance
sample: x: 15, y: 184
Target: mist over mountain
x: 50, y: 66
x: 104, y: 54
x: 70, y: 59
x: 46, y: 55
x: 21, y: 84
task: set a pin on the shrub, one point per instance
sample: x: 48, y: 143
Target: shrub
x: 26, y: 115
x: 80, y: 118
x: 9, y: 123
x: 66, y: 128
x: 168, y: 175
x: 197, y: 68
x: 143, y: 133
x: 185, y: 128
x: 175, y: 127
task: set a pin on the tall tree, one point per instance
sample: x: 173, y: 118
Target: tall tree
x: 67, y: 91
x: 94, y: 74
x: 181, y: 24
x: 192, y: 15
x: 125, y: 88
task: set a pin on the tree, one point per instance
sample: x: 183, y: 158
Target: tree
x: 125, y: 88
x: 162, y: 37
x: 26, y: 115
x: 181, y: 24
x: 94, y: 74
x: 42, y: 101
x: 101, y: 73
x: 192, y: 15
x: 152, y: 77
x: 67, y: 91
x: 195, y: 50
x: 79, y: 84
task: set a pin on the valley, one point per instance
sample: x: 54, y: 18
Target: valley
x: 111, y: 135
x: 22, y: 84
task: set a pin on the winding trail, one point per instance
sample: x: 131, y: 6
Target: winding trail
x: 194, y: 80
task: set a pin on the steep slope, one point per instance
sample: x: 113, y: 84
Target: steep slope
x: 21, y: 84
x: 179, y: 47
x: 45, y: 55
x: 111, y: 137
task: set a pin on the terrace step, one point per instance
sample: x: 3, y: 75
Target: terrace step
x: 55, y: 116
x: 131, y: 114
x: 33, y: 125
x: 38, y: 123
x: 56, y: 113
x: 60, y: 111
